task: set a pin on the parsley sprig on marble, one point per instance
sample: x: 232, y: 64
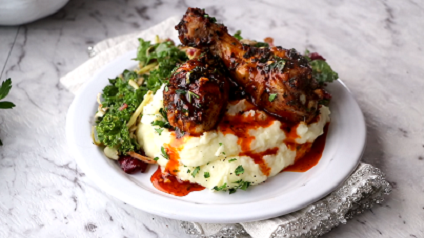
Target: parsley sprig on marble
x: 124, y: 94
x: 4, y: 90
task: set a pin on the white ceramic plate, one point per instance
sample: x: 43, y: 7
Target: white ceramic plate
x: 282, y: 194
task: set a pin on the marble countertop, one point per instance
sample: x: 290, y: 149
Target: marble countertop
x: 376, y: 47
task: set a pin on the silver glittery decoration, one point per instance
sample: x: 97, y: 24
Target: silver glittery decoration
x: 364, y: 188
x: 228, y: 231
x: 91, y: 51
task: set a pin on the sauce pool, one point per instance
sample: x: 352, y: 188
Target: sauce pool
x: 168, y: 183
x: 312, y: 157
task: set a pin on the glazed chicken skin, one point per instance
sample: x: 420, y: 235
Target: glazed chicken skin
x: 276, y: 80
x: 197, y: 95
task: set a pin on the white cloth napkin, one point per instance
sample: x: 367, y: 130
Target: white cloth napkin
x: 361, y: 190
x: 110, y: 49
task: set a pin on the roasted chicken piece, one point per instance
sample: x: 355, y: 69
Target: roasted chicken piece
x: 277, y: 80
x: 197, y: 94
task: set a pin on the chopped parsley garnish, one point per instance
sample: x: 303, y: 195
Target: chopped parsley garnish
x: 231, y: 160
x: 279, y: 63
x: 261, y: 44
x: 191, y: 94
x: 164, y: 154
x: 220, y: 144
x: 158, y: 130
x: 237, y: 35
x: 239, y: 170
x: 163, y: 124
x: 272, y: 97
x: 213, y: 19
x: 180, y: 91
x: 243, y: 185
x: 223, y: 152
x: 188, y: 171
x: 156, y: 158
x: 206, y: 175
x: 195, y: 171
x: 163, y: 114
x: 220, y: 188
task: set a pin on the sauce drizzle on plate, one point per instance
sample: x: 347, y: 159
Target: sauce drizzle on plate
x: 168, y: 183
x: 312, y: 157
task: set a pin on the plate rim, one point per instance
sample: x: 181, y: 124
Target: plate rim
x: 188, y: 216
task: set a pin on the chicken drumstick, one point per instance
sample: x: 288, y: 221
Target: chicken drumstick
x: 276, y: 79
x: 197, y: 95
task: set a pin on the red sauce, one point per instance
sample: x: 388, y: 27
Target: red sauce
x: 173, y: 164
x: 291, y: 132
x: 168, y: 183
x: 311, y: 157
x: 239, y: 125
x: 291, y: 146
x: 259, y: 158
x: 173, y: 150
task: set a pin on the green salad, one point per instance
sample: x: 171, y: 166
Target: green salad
x: 117, y: 114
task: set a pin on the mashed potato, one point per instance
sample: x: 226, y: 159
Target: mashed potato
x: 245, y: 138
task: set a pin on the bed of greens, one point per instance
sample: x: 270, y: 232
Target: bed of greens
x: 117, y: 115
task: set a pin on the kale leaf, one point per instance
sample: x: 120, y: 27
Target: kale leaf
x: 121, y: 99
x: 112, y: 128
x: 321, y: 70
x: 166, y: 55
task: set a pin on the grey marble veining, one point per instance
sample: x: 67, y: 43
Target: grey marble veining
x: 7, y: 38
x: 376, y: 47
